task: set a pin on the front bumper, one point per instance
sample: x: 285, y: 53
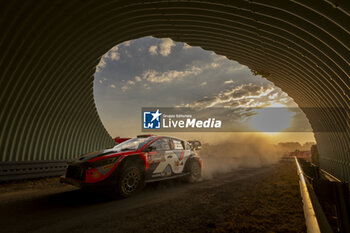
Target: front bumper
x: 77, y: 183
x: 104, y: 184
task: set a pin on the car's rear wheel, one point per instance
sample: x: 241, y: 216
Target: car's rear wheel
x: 131, y: 180
x: 195, y: 171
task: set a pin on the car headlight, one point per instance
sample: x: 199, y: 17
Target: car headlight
x: 104, y: 162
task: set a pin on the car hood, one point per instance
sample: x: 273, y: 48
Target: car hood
x: 92, y: 155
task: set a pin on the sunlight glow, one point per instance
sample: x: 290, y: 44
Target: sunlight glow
x: 272, y: 119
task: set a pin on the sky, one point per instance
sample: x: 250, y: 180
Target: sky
x: 152, y: 72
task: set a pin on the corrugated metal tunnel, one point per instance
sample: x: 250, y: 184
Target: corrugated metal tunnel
x: 49, y: 51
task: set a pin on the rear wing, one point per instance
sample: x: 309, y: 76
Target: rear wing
x: 195, y: 145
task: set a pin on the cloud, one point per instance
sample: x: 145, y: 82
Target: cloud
x: 138, y: 79
x: 112, y: 55
x: 124, y: 88
x: 234, y: 69
x: 127, y: 43
x: 229, y: 81
x: 244, y: 95
x: 101, y: 64
x: 153, y: 50
x: 146, y: 86
x: 165, y: 47
x: 186, y: 46
x: 273, y: 96
x: 130, y: 82
x: 112, y: 86
x: 214, y: 65
x: 115, y: 56
x: 153, y: 76
x: 127, y: 53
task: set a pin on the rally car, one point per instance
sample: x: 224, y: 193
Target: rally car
x: 124, y: 169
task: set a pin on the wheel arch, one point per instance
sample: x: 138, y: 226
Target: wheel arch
x: 189, y: 160
x: 132, y: 159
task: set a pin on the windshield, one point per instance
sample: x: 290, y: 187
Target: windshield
x: 131, y: 144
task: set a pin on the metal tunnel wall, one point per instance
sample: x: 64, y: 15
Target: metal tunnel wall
x: 50, y: 48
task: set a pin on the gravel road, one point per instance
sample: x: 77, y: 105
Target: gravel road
x: 262, y: 199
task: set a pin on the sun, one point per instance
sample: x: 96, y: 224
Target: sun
x: 273, y: 119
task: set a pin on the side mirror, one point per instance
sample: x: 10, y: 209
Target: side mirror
x: 151, y: 148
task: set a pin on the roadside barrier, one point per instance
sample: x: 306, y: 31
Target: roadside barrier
x: 325, y: 199
x: 31, y: 169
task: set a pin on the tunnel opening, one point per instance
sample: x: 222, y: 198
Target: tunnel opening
x: 161, y: 72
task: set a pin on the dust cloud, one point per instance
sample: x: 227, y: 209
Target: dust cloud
x: 239, y: 152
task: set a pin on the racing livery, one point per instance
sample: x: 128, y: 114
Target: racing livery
x: 125, y: 168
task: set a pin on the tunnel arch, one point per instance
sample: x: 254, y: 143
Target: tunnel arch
x: 50, y: 50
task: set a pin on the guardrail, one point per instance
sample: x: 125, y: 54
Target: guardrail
x: 31, y: 169
x: 309, y: 212
x: 329, y: 198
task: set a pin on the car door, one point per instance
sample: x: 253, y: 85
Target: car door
x: 179, y: 155
x: 157, y: 159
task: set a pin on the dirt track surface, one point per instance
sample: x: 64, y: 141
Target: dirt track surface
x: 263, y: 199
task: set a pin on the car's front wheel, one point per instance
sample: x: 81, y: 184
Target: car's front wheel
x: 195, y: 171
x: 130, y: 181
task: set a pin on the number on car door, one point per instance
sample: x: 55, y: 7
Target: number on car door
x: 157, y: 159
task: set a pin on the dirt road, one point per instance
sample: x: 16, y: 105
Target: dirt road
x: 263, y: 199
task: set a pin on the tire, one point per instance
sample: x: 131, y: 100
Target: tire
x: 195, y: 170
x: 130, y: 181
